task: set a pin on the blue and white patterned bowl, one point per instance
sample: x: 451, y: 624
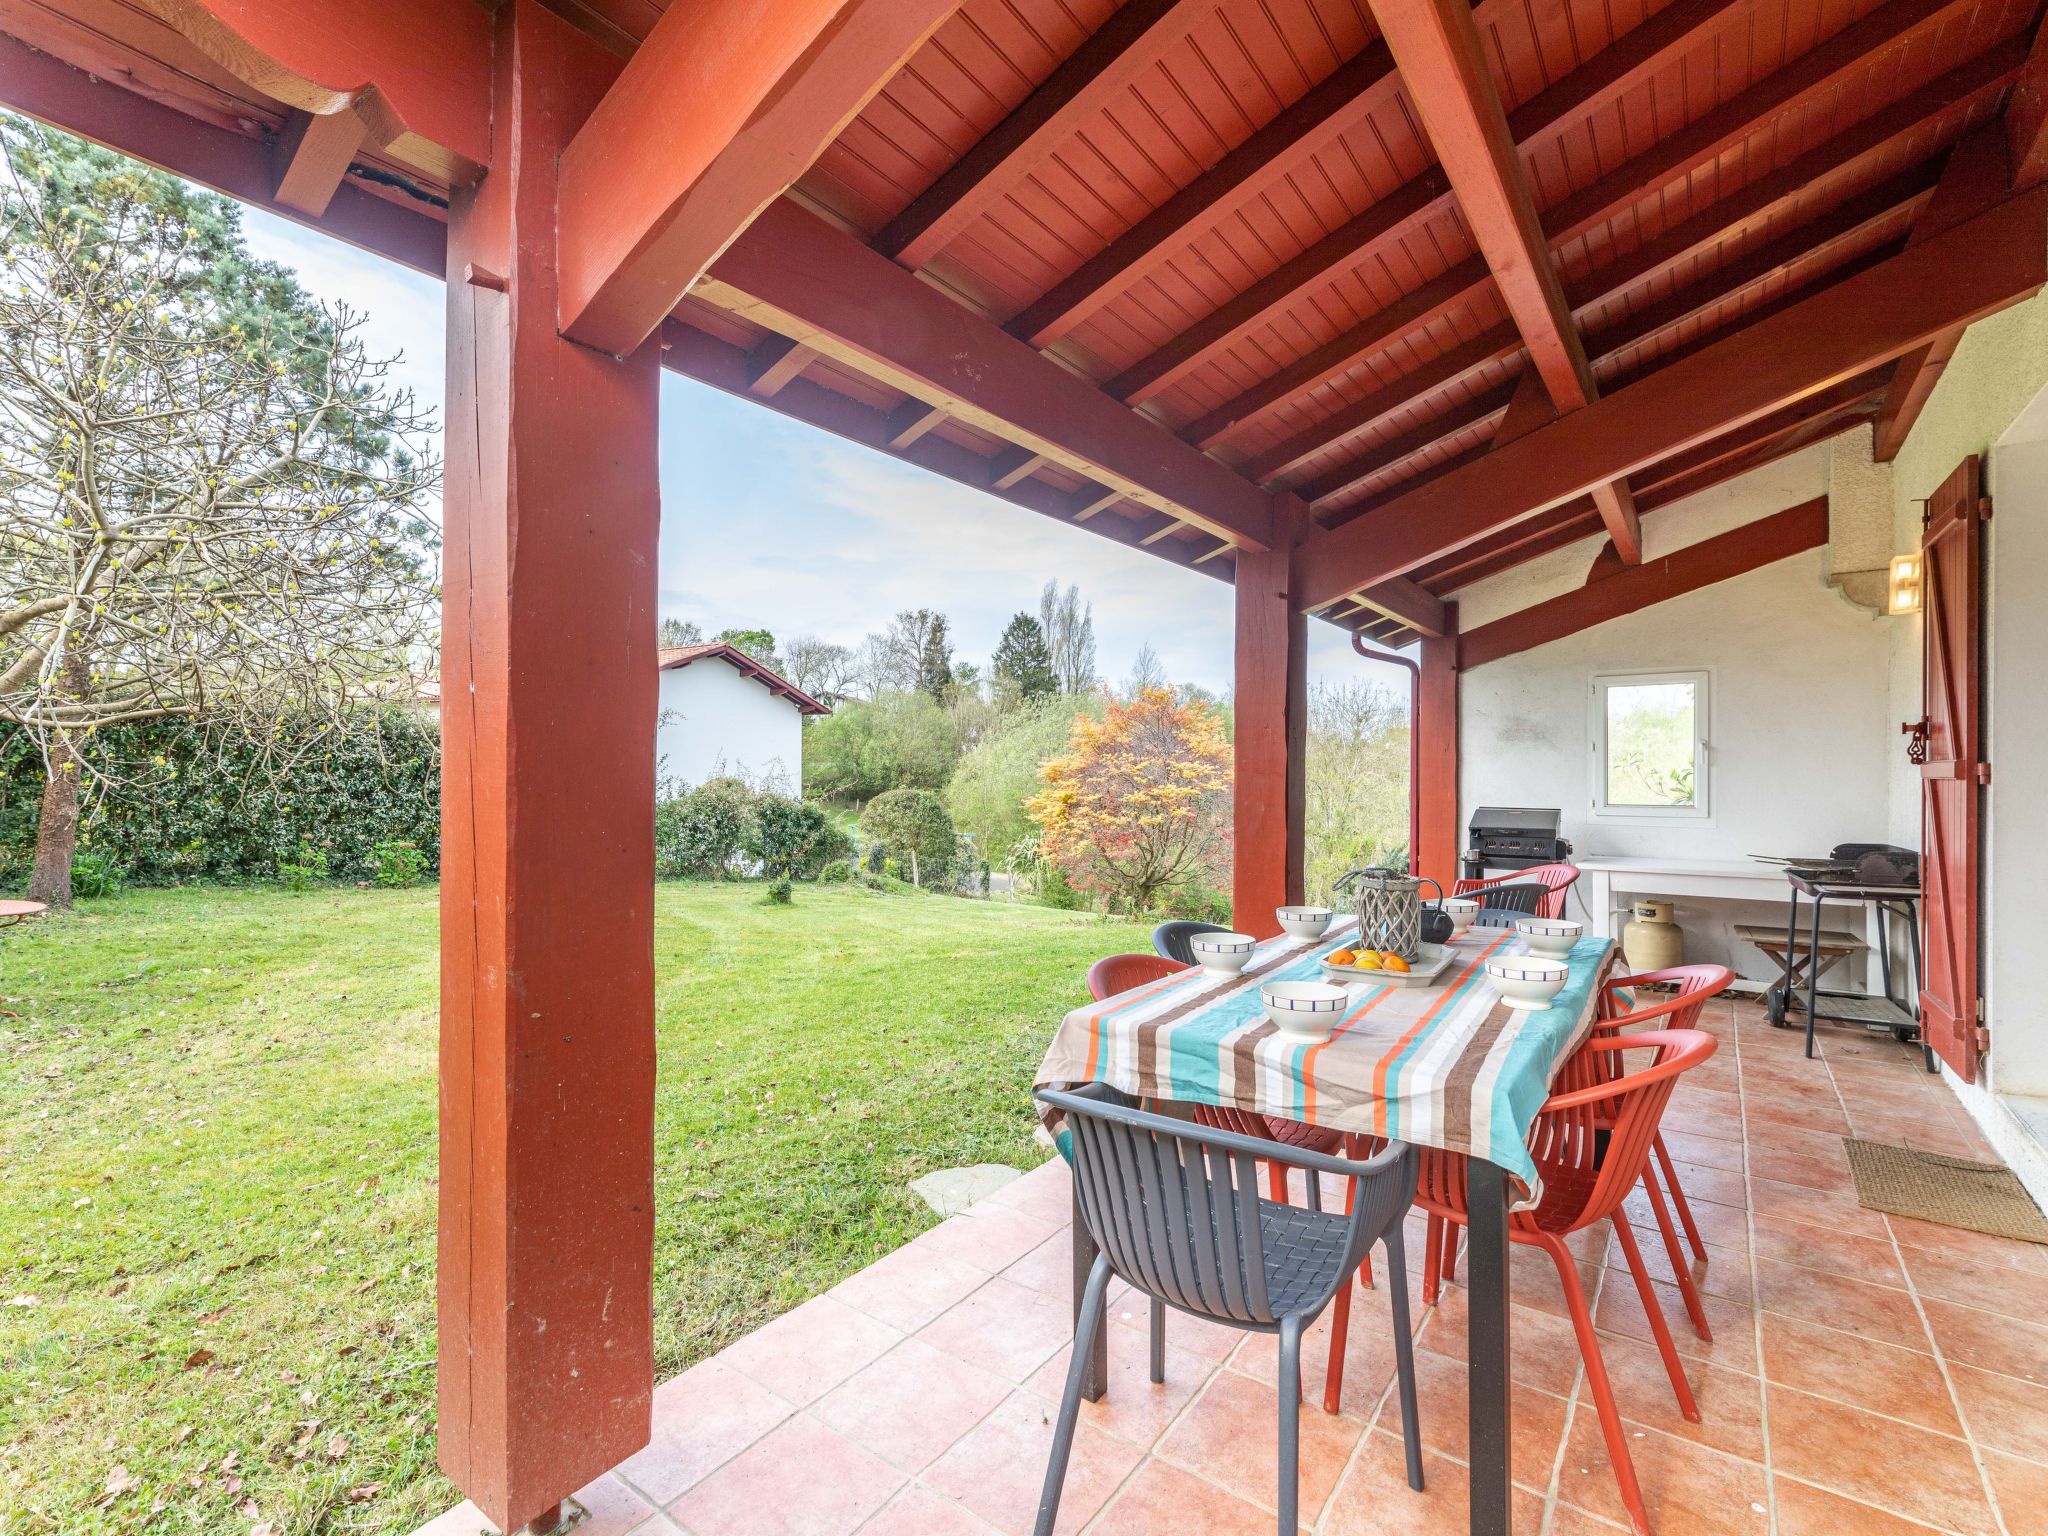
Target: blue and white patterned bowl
x: 1224, y: 953
x: 1528, y: 981
x: 1552, y: 936
x: 1304, y: 1010
x: 1461, y: 910
x: 1305, y: 922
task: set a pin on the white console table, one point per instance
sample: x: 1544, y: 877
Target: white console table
x: 1612, y: 883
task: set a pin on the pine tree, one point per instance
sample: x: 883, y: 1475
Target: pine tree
x: 1023, y: 662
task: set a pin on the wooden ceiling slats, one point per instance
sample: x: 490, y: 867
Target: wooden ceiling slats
x: 1975, y: 269
x: 1402, y: 210
x: 1976, y: 177
x: 1241, y: 174
x: 1080, y: 86
x: 1970, y: 81
x: 1805, y: 79
x: 1228, y: 210
x: 1805, y: 242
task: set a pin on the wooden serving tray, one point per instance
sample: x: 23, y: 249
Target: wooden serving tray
x: 1424, y: 971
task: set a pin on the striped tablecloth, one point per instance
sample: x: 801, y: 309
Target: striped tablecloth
x: 1448, y: 1065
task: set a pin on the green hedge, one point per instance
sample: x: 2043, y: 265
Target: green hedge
x: 194, y: 803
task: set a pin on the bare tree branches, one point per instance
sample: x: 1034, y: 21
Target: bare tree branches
x: 209, y: 495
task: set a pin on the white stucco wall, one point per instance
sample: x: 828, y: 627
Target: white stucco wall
x: 1993, y: 400
x: 1799, y: 720
x: 716, y: 720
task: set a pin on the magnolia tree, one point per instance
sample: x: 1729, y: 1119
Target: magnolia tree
x: 1139, y: 804
x: 209, y: 499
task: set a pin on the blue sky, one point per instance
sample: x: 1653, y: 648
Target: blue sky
x: 767, y: 522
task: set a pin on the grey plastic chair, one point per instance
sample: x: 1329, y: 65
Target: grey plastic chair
x: 1174, y: 940
x: 1503, y: 906
x: 1175, y: 1211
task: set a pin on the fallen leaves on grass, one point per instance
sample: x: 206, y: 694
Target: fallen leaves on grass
x: 119, y: 1481
x: 198, y: 1358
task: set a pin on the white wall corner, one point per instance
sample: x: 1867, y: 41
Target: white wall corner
x: 1859, y: 551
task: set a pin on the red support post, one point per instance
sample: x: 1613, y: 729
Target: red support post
x: 1271, y: 727
x: 547, y: 984
x: 1436, y: 832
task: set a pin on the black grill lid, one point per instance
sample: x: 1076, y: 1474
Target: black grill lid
x: 1515, y: 821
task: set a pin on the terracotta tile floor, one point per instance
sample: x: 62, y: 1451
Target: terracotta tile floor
x: 1867, y: 1374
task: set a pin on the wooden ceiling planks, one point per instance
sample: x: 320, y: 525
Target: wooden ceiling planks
x: 1226, y: 211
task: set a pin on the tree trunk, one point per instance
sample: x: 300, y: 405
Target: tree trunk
x: 57, y: 828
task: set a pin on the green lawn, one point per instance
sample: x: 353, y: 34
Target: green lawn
x: 217, y: 1168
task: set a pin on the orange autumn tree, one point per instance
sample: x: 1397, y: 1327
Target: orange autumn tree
x: 1139, y: 804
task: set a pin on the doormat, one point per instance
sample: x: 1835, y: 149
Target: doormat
x: 1948, y: 1191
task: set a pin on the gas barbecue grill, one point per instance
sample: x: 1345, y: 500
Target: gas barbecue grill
x: 1513, y: 837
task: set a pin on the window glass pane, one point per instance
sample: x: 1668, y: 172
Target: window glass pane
x: 1651, y: 733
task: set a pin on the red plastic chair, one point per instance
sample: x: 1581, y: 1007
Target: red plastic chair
x: 1121, y: 973
x: 1555, y: 878
x: 1591, y: 1142
x: 1696, y: 984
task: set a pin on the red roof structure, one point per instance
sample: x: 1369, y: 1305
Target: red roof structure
x: 1346, y: 302
x: 674, y: 656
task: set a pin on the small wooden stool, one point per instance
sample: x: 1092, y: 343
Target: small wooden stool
x: 1835, y: 945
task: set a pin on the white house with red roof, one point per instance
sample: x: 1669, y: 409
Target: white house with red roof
x: 723, y: 712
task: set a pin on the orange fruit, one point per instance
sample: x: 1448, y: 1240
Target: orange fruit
x: 1394, y: 963
x: 1343, y: 957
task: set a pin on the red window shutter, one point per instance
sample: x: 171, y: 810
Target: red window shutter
x: 1952, y: 769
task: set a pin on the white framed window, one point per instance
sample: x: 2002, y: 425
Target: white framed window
x: 1651, y: 751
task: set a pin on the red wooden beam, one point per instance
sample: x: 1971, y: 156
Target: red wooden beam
x: 416, y: 72
x: 313, y: 156
x: 1460, y: 416
x: 1342, y: 98
x: 1660, y: 486
x: 1494, y: 346
x: 545, y: 1259
x: 774, y: 363
x: 1976, y: 178
x: 1800, y: 246
x: 1806, y: 79
x: 1407, y: 602
x: 795, y: 274
x: 1800, y: 82
x: 1443, y: 63
x: 1088, y: 79
x: 1259, y: 162
x: 1768, y: 196
x: 696, y: 355
x: 1631, y: 589
x: 723, y: 107
x: 43, y: 87
x: 1270, y: 738
x: 1664, y: 37
x: 2026, y: 119
x: 1973, y: 270
x: 1436, y: 837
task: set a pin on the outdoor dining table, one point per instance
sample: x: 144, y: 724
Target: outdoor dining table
x: 1447, y: 1064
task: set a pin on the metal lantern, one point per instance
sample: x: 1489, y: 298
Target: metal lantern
x: 1390, y: 912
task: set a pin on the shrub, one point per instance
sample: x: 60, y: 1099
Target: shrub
x: 837, y: 872
x: 913, y: 825
x: 1056, y: 890
x: 94, y: 875
x: 863, y: 749
x: 184, y: 800
x: 398, y: 863
x: 780, y: 893
x: 702, y: 833
x: 304, y: 869
x: 793, y: 837
x: 988, y: 789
